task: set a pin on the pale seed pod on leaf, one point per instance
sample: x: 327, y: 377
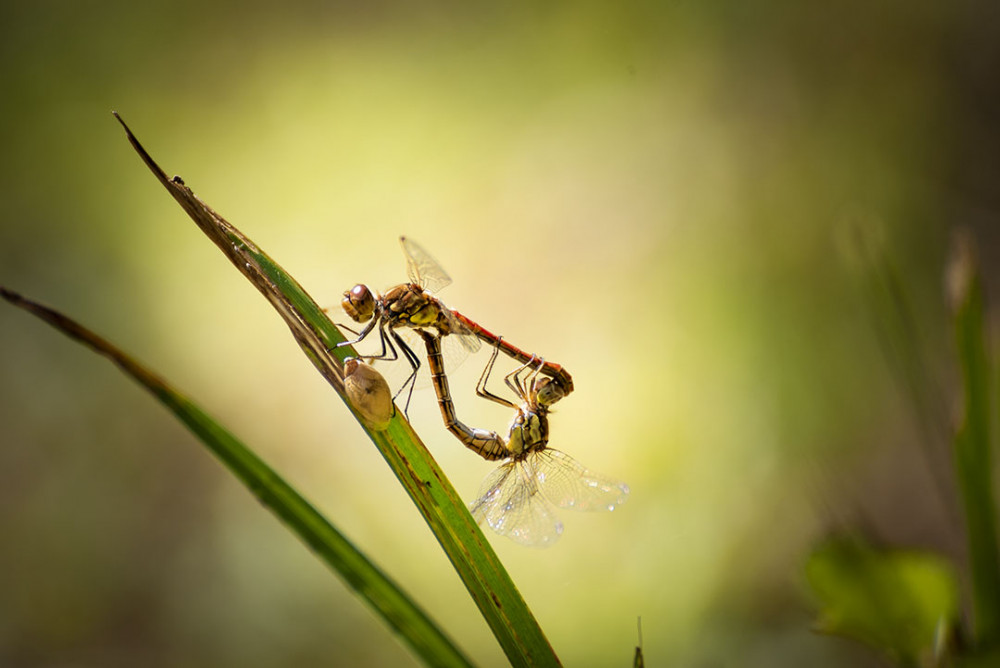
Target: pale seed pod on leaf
x: 369, y: 393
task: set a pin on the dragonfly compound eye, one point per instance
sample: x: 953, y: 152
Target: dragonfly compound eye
x: 359, y: 303
x: 547, y: 392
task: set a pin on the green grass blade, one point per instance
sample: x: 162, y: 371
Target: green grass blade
x: 889, y: 302
x: 973, y: 442
x: 404, y: 616
x: 476, y: 563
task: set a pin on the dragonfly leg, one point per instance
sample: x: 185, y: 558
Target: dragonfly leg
x: 349, y: 329
x: 514, y: 382
x: 484, y: 378
x: 364, y: 332
x: 414, y: 361
x: 340, y: 325
x: 388, y: 352
x: 531, y: 380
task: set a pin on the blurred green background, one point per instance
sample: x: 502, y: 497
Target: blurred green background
x: 660, y: 197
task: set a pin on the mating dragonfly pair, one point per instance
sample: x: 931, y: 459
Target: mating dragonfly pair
x: 517, y: 499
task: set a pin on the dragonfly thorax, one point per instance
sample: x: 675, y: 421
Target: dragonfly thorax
x: 359, y: 303
x: 529, y: 430
x: 411, y: 306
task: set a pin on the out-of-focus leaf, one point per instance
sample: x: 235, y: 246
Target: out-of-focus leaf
x: 895, y: 601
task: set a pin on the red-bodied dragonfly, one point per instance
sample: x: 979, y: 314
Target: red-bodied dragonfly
x: 412, y: 305
x: 517, y: 500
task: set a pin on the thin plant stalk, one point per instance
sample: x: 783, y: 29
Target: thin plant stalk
x: 973, y: 442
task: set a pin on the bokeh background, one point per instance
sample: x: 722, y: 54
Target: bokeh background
x: 663, y: 197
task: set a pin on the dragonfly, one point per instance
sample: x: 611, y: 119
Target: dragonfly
x: 518, y: 499
x: 413, y: 305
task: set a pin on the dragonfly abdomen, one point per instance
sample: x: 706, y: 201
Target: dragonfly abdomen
x: 487, y: 444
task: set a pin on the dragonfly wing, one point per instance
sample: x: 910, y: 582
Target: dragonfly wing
x: 397, y: 371
x: 510, y: 504
x: 422, y: 268
x: 455, y: 349
x: 569, y: 484
x: 461, y: 334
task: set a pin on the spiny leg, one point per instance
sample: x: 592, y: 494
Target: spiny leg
x: 341, y: 325
x: 513, y: 379
x: 388, y: 352
x: 375, y: 320
x: 484, y: 378
x: 531, y: 380
x: 414, y: 361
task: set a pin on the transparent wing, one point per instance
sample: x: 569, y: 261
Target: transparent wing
x: 569, y: 484
x: 510, y: 504
x: 422, y: 268
x: 455, y: 348
x: 460, y: 335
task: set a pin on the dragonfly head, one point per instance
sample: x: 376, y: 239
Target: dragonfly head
x: 359, y: 303
x: 547, y: 391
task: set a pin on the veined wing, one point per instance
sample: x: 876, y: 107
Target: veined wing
x: 455, y: 348
x: 422, y: 268
x: 569, y: 484
x: 510, y: 504
x: 460, y: 334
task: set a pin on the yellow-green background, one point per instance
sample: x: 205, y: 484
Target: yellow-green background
x: 659, y: 196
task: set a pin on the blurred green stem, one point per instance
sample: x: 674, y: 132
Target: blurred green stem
x: 973, y: 459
